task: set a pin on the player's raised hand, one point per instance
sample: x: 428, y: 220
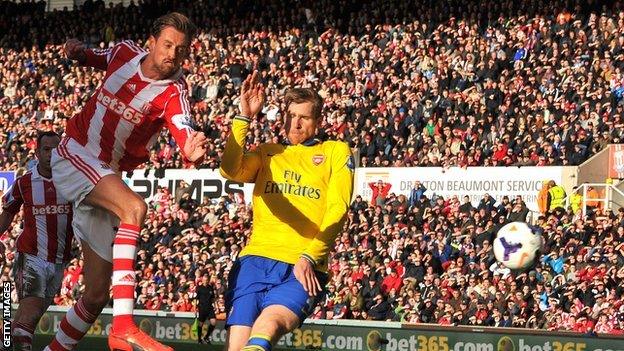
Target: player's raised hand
x: 252, y: 96
x: 74, y: 49
x: 195, y: 146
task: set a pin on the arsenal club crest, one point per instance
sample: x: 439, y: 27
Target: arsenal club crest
x: 318, y: 159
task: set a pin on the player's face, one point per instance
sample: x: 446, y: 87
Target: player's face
x: 44, y: 150
x: 300, y: 122
x: 169, y: 50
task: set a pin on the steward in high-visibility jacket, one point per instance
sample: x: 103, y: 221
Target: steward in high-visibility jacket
x: 576, y: 202
x: 542, y: 197
x: 557, y: 197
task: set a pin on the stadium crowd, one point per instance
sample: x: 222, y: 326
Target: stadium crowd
x: 434, y: 83
x: 429, y: 262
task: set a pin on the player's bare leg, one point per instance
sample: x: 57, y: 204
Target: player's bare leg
x: 237, y: 337
x: 273, y: 323
x: 26, y: 318
x: 112, y: 194
x: 96, y: 295
x: 81, y: 316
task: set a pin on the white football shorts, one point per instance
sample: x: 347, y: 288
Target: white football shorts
x: 75, y: 172
x: 36, y: 277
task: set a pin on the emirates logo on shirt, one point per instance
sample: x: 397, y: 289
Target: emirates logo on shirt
x: 318, y: 159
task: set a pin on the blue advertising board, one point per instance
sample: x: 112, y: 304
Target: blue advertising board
x: 6, y: 180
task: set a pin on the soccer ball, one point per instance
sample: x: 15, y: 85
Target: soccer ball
x: 516, y: 246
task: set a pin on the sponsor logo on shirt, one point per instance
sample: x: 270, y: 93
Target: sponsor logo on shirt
x: 40, y: 210
x: 113, y: 104
x: 272, y: 187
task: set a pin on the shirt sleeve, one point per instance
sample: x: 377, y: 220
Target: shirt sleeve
x: 12, y: 199
x: 98, y: 58
x: 236, y: 164
x: 339, y: 192
x: 178, y: 117
x: 101, y: 58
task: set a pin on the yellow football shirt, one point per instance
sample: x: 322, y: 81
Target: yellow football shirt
x: 301, y: 194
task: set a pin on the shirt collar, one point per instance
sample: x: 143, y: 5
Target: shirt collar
x: 35, y: 172
x: 310, y: 142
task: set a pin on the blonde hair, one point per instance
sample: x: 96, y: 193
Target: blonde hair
x: 301, y: 95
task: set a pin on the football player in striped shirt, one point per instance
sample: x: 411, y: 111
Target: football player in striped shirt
x: 142, y: 92
x: 43, y: 246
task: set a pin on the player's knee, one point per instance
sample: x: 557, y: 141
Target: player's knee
x: 29, y: 317
x: 284, y: 325
x: 290, y: 325
x: 138, y: 209
x: 30, y: 311
x: 135, y: 212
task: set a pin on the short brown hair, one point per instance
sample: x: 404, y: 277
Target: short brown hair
x: 301, y: 95
x: 176, y: 20
x: 44, y: 134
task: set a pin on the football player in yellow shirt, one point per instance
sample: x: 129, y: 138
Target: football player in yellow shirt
x: 301, y: 195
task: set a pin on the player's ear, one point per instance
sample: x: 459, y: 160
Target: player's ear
x: 151, y: 42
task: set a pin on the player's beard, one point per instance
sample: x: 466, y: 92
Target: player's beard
x: 167, y: 70
x: 45, y: 167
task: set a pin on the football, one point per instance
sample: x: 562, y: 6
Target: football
x: 517, y: 245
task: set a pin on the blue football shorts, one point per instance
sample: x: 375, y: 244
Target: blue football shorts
x: 257, y: 282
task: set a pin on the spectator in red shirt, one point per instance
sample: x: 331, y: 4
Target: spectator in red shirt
x: 392, y: 281
x: 380, y: 192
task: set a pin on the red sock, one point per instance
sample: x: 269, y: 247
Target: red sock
x: 22, y: 336
x: 73, y: 327
x: 124, y: 255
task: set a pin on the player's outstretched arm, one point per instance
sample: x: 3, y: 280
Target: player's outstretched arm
x: 75, y: 50
x: 236, y: 164
x: 252, y: 96
x: 177, y: 116
x: 339, y: 193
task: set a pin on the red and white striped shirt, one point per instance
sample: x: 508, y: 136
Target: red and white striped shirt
x: 121, y: 120
x: 48, y: 229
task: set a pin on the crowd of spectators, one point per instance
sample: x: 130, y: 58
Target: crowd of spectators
x: 423, y: 83
x: 452, y: 83
x: 417, y: 260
